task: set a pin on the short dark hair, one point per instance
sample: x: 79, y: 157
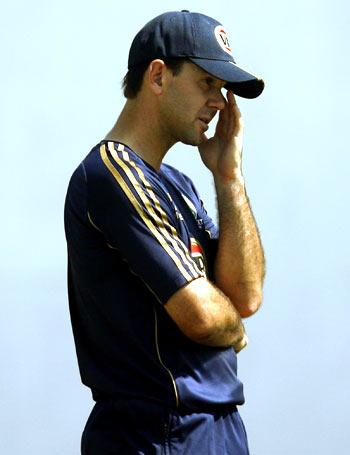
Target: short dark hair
x: 132, y: 81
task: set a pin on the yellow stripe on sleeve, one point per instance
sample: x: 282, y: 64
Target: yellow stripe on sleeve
x: 142, y: 213
x: 173, y: 238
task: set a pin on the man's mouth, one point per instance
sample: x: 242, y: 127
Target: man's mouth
x: 205, y: 122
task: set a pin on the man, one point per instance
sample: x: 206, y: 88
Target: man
x: 157, y: 293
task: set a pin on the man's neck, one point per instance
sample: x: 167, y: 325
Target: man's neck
x: 139, y: 128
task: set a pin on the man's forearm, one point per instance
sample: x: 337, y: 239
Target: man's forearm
x: 205, y: 315
x: 225, y: 327
x: 240, y: 264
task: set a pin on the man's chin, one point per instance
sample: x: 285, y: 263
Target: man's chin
x: 195, y: 141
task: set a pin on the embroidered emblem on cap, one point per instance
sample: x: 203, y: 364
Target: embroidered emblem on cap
x: 222, y: 39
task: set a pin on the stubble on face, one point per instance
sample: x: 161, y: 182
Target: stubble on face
x: 183, y: 108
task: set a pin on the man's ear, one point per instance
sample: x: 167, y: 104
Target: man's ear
x: 157, y: 72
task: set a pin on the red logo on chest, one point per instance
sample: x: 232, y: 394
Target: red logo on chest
x: 198, y: 255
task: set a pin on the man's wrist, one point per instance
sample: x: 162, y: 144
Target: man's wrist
x: 232, y: 188
x: 231, y: 177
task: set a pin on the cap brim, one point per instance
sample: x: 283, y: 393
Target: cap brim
x: 238, y: 80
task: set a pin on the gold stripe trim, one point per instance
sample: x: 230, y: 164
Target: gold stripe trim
x: 99, y: 230
x: 173, y: 238
x: 112, y: 247
x: 93, y: 224
x: 160, y: 358
x: 121, y: 148
x: 141, y: 212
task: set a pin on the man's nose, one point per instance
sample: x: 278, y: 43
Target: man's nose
x: 217, y: 101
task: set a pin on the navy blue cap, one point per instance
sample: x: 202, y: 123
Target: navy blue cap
x: 202, y: 40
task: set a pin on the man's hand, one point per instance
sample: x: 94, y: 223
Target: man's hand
x: 239, y: 265
x: 222, y: 154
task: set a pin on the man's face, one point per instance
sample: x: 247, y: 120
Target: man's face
x: 191, y: 100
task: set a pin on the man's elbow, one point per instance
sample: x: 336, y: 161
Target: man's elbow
x: 248, y: 306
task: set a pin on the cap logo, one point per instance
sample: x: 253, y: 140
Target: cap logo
x: 222, y: 39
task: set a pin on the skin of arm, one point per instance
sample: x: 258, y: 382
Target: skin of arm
x: 211, y: 313
x: 240, y: 264
x: 205, y: 315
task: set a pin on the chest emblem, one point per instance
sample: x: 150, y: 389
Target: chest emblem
x: 198, y: 255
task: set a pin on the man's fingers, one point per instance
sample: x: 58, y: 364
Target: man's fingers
x: 242, y: 344
x: 236, y: 120
x: 230, y: 122
x: 204, y: 138
x: 231, y: 97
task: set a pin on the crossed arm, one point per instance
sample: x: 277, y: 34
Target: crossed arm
x: 211, y: 313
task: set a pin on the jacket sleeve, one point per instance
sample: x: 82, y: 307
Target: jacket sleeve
x: 129, y: 206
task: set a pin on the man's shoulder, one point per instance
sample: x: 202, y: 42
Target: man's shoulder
x: 93, y: 161
x: 88, y: 162
x: 99, y: 165
x: 90, y: 176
